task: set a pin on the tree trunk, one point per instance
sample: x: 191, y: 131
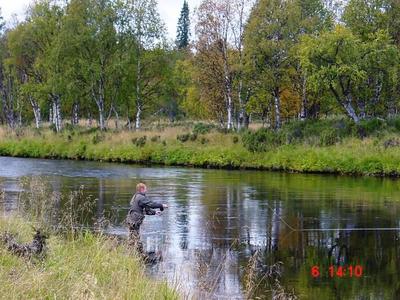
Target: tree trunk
x: 7, y: 97
x: 100, y: 107
x: 304, y: 100
x: 51, y: 115
x: 228, y: 93
x: 90, y: 119
x: 116, y: 118
x: 57, y: 120
x: 277, y: 103
x: 36, y: 111
x: 138, y: 117
x: 75, y: 113
x: 349, y: 109
x: 138, y: 96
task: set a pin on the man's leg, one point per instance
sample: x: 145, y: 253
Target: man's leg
x: 134, y: 238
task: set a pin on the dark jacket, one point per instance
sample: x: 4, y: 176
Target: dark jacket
x: 141, y: 204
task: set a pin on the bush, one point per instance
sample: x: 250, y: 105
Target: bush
x: 155, y: 138
x: 183, y: 137
x: 204, y: 140
x: 260, y: 140
x: 69, y: 127
x: 392, y: 142
x: 201, y: 128
x: 368, y: 127
x: 193, y: 137
x: 328, y: 137
x: 186, y: 137
x: 139, y: 142
x: 394, y: 123
x: 97, y: 138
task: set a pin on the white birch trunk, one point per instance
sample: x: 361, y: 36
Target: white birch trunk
x: 303, y: 112
x: 138, y: 118
x: 277, y: 104
x: 138, y: 96
x: 57, y: 120
x: 75, y: 114
x: 350, y: 109
x: 36, y: 111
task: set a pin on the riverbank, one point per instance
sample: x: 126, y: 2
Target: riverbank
x: 87, y: 266
x: 320, y: 150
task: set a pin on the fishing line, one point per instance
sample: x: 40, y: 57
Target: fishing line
x: 332, y: 229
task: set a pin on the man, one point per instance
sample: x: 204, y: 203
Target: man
x: 140, y: 204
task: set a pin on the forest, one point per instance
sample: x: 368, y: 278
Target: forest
x: 233, y: 63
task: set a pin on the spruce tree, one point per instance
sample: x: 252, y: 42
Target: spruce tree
x: 183, y: 29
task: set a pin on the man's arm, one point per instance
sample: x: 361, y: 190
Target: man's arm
x: 149, y: 211
x: 147, y: 203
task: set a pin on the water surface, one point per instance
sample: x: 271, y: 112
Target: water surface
x: 217, y: 220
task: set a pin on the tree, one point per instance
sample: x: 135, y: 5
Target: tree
x: 90, y: 45
x: 142, y: 25
x: 357, y: 73
x: 183, y: 29
x: 269, y: 38
x: 30, y: 45
x: 219, y: 56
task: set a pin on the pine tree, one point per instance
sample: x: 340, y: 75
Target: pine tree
x: 183, y: 29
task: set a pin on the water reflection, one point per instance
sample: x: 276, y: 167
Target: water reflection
x: 218, y: 219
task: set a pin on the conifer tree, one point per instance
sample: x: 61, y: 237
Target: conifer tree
x: 183, y: 29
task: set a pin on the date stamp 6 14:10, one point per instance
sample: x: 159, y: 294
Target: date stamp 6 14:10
x: 340, y: 271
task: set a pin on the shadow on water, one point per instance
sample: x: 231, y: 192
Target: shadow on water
x: 225, y: 231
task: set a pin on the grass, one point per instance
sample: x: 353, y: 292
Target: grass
x: 87, y: 266
x: 330, y: 146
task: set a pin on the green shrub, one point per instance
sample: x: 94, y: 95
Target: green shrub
x: 193, y: 137
x: 183, y: 137
x: 53, y: 128
x: 97, y: 138
x: 204, y: 140
x: 368, y: 127
x: 260, y: 140
x: 186, y: 137
x: 139, y: 142
x: 155, y: 138
x: 328, y: 137
x: 69, y: 127
x: 394, y: 123
x: 201, y: 128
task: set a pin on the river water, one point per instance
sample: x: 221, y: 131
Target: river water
x: 224, y: 229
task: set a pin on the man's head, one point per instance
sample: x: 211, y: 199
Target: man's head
x: 141, y: 188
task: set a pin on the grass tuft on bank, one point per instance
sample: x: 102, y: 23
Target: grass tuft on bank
x: 88, y: 266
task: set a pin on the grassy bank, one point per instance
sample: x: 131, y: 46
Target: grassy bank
x: 85, y: 267
x: 332, y: 146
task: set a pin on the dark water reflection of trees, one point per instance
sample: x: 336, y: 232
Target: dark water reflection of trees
x: 218, y: 220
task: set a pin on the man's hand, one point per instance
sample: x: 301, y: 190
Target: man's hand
x: 165, y: 205
x: 158, y: 213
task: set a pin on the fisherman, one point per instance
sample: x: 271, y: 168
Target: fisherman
x: 140, y: 205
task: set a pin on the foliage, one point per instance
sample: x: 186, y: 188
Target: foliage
x: 183, y: 28
x: 202, y: 128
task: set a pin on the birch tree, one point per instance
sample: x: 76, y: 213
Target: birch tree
x: 344, y: 65
x: 219, y: 30
x: 142, y: 25
x: 270, y: 36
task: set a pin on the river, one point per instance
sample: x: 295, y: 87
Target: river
x: 218, y: 220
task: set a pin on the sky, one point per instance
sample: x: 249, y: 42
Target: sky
x: 169, y: 11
